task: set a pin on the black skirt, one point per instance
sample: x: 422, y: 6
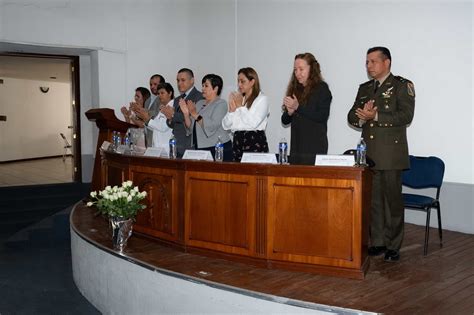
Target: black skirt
x: 248, y: 141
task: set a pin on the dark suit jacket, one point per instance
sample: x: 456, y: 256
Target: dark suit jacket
x: 181, y: 133
x: 309, y: 126
x: 386, y: 138
x: 153, y: 110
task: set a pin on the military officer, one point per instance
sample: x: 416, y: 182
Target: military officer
x: 383, y: 108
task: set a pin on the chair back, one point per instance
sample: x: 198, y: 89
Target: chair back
x: 67, y: 144
x: 424, y: 172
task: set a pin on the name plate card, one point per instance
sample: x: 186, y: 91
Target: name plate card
x: 198, y: 155
x: 121, y: 149
x: 334, y: 160
x: 153, y: 152
x: 255, y: 157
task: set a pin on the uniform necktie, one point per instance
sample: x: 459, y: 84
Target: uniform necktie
x: 377, y: 84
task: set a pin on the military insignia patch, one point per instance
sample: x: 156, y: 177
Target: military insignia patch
x: 411, y: 89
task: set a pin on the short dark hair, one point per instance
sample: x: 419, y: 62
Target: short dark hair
x: 215, y: 80
x: 383, y: 50
x: 187, y: 70
x: 162, y: 80
x: 168, y: 88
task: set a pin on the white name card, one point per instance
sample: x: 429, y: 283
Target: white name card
x: 334, y: 160
x: 105, y: 145
x: 121, y: 149
x: 198, y: 155
x: 153, y: 152
x: 255, y: 157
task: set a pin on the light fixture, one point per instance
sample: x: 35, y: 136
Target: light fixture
x: 44, y: 89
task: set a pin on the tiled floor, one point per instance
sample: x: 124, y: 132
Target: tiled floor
x: 36, y: 172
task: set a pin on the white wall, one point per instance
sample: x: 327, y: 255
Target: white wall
x: 431, y: 44
x: 22, y: 101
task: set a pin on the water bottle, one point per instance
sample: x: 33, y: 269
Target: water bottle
x: 283, y: 152
x: 126, y: 140
x: 361, y: 153
x: 118, y: 140
x: 219, y: 155
x: 114, y: 140
x: 173, y: 150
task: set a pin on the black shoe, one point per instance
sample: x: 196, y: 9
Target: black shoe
x: 392, y: 256
x: 377, y: 250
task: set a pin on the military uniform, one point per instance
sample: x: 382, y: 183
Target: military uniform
x: 387, y: 146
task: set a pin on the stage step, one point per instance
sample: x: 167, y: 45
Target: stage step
x: 21, y: 206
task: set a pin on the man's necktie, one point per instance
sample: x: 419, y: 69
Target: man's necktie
x: 377, y: 84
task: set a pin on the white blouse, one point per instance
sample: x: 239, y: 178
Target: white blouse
x: 161, y: 132
x: 246, y: 119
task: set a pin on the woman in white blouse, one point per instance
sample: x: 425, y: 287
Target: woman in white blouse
x: 247, y: 115
x: 161, y: 132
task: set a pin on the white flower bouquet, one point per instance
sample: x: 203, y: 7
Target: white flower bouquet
x: 122, y: 202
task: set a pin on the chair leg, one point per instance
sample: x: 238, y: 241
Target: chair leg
x: 427, y: 231
x: 440, y: 228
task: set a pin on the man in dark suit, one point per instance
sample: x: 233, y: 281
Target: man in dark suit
x: 185, y: 82
x: 152, y: 104
x: 383, y: 108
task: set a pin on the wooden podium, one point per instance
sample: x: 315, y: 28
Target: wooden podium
x: 107, y: 123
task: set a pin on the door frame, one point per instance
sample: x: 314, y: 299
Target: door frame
x: 75, y: 98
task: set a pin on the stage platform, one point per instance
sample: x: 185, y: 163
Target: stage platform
x: 150, y: 278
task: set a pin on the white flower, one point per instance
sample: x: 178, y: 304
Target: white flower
x: 93, y: 194
x: 106, y: 195
x: 135, y: 188
x: 143, y: 194
x: 133, y: 193
x: 115, y: 189
x: 129, y: 183
x: 129, y: 198
x: 108, y: 188
x: 89, y: 204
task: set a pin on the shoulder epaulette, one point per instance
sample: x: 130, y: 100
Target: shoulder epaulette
x: 401, y: 79
x: 367, y: 83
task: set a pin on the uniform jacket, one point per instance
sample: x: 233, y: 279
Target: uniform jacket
x: 386, y: 138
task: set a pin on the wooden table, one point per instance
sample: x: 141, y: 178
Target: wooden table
x: 305, y: 218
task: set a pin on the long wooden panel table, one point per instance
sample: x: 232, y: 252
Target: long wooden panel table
x: 307, y: 218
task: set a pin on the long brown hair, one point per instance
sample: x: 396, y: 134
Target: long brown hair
x: 251, y: 74
x: 302, y: 92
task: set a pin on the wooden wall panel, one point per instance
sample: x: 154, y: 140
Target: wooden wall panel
x: 160, y: 218
x: 311, y: 221
x: 220, y: 209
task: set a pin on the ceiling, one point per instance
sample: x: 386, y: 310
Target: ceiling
x: 32, y: 68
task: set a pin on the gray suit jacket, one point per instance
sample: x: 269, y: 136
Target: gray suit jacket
x: 386, y: 138
x: 180, y: 132
x: 153, y: 109
x: 211, y: 128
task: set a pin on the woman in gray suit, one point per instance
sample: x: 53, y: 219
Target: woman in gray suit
x: 204, y: 119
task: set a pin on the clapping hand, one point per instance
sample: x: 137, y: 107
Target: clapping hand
x: 141, y: 113
x: 168, y: 111
x: 291, y: 104
x: 368, y: 112
x: 235, y: 101
x: 191, y: 108
x: 183, y: 106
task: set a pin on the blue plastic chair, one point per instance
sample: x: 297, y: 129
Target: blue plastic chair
x: 424, y: 172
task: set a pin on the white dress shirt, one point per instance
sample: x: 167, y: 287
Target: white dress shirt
x: 247, y: 119
x: 161, y: 132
